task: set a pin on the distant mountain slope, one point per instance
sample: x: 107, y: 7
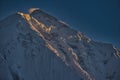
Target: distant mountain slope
x: 37, y: 46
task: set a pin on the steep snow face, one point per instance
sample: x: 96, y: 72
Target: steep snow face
x: 25, y: 56
x: 38, y: 46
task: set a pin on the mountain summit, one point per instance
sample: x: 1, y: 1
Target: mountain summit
x: 38, y: 46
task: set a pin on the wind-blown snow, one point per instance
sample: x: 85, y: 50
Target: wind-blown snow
x: 37, y: 46
x: 33, y: 9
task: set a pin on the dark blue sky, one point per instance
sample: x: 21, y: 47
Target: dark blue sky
x: 98, y: 19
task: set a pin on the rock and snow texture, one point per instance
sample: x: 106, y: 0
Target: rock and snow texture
x: 37, y: 46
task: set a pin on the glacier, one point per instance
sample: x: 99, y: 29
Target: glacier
x: 38, y: 46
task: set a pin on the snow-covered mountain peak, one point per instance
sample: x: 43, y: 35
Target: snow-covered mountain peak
x: 38, y: 46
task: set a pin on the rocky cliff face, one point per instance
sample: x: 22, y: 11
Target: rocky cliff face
x: 37, y: 46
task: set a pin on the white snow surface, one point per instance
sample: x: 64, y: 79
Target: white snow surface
x: 37, y: 46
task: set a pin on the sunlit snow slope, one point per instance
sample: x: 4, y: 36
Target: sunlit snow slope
x: 37, y: 46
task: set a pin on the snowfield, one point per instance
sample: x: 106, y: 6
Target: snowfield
x: 37, y: 46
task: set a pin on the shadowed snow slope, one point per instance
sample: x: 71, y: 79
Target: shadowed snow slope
x: 37, y: 46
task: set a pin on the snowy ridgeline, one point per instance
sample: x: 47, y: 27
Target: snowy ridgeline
x: 37, y: 46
